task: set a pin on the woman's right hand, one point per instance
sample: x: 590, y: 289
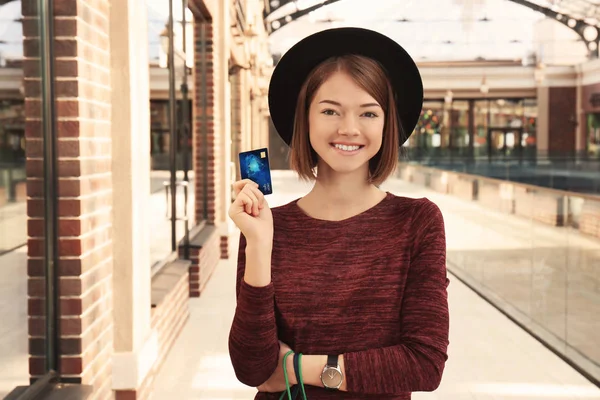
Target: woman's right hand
x: 251, y: 213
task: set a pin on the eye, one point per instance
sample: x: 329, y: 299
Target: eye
x: 329, y: 112
x: 370, y: 114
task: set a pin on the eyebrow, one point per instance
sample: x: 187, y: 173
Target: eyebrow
x: 335, y: 103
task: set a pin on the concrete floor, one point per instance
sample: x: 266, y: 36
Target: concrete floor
x: 490, y: 357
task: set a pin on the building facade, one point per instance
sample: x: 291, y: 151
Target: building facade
x: 90, y: 118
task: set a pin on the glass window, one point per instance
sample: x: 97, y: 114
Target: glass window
x: 13, y: 208
x: 593, y: 135
x: 427, y: 136
x: 506, y: 127
x: 13, y: 221
x: 481, y: 120
x: 459, y: 127
x: 160, y: 134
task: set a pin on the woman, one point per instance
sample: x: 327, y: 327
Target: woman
x: 352, y: 277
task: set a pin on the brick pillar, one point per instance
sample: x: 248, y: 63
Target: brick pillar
x: 206, y: 252
x: 206, y: 146
x: 84, y: 193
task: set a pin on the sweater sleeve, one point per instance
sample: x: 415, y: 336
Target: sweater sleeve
x: 253, y: 341
x: 417, y: 362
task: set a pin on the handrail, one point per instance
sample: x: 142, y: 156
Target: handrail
x: 588, y: 196
x: 240, y: 15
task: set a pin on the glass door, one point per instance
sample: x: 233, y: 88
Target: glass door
x: 171, y: 141
x: 504, y: 143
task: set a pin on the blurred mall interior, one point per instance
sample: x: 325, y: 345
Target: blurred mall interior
x: 120, y: 125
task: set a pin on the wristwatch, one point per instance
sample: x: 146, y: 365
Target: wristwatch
x: 332, y: 376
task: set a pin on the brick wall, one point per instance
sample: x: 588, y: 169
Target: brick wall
x: 170, y: 312
x: 204, y: 257
x: 84, y: 193
x: 170, y: 315
x: 224, y: 247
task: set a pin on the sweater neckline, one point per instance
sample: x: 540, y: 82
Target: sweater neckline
x: 353, y: 218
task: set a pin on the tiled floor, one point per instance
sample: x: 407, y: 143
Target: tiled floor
x: 13, y: 317
x: 13, y: 225
x: 490, y: 357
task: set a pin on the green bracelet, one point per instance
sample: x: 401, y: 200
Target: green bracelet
x: 285, y: 375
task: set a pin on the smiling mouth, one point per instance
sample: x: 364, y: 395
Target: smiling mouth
x: 348, y: 148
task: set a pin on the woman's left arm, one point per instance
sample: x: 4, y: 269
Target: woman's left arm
x: 415, y: 364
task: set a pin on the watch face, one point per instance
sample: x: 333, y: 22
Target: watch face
x: 332, y: 378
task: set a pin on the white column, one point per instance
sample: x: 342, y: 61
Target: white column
x: 541, y: 135
x: 581, y: 129
x: 135, y: 346
x: 246, y: 105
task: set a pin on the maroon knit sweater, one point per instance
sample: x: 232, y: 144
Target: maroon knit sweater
x: 371, y: 287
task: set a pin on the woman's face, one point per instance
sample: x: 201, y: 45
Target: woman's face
x: 345, y: 125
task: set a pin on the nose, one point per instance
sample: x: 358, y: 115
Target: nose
x: 349, y: 126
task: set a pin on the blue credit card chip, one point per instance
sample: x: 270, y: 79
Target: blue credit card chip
x: 254, y: 165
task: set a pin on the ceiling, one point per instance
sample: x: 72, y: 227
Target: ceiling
x: 575, y: 8
x: 437, y: 30
x: 431, y: 30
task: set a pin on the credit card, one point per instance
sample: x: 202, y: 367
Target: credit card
x: 254, y: 165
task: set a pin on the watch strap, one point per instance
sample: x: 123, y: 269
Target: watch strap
x: 332, y: 360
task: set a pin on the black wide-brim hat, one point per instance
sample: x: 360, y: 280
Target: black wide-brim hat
x: 297, y: 63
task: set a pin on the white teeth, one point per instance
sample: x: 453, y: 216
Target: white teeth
x: 346, y: 148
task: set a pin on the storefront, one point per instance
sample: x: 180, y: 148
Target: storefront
x: 469, y: 130
x: 590, y: 104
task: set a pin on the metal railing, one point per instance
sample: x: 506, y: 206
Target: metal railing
x: 240, y: 16
x: 573, y: 172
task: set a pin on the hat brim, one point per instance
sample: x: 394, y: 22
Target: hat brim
x: 295, y: 65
